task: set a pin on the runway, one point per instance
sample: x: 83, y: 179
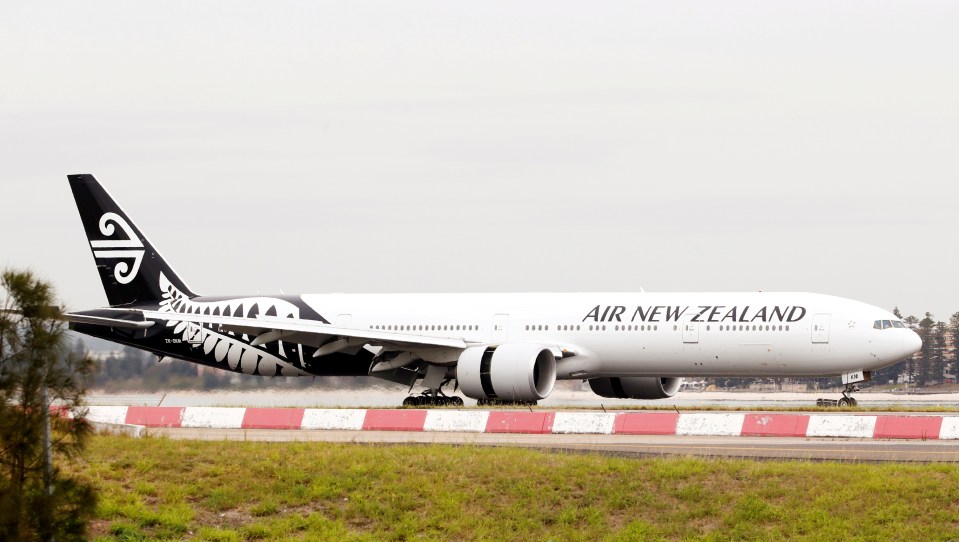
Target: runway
x: 855, y: 450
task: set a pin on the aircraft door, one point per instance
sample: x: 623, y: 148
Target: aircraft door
x: 500, y: 328
x: 690, y: 331
x: 820, y: 328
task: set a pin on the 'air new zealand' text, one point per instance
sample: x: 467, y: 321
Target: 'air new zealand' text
x: 701, y: 313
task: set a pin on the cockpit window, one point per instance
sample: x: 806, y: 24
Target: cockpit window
x: 886, y: 324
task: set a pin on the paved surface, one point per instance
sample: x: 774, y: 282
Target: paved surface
x: 628, y: 445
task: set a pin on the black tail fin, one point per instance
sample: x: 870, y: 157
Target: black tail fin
x: 131, y: 269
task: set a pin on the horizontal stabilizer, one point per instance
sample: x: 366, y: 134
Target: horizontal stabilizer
x: 107, y: 322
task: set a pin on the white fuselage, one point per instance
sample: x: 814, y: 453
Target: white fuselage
x: 647, y: 334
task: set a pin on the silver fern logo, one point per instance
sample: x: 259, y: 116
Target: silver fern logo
x: 124, y: 250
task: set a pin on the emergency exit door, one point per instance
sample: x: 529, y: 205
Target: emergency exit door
x: 690, y: 331
x: 500, y: 328
x: 820, y: 328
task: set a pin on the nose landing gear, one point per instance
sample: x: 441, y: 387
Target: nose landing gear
x: 846, y: 401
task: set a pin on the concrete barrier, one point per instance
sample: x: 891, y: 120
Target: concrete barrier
x: 466, y: 421
x: 841, y: 426
x: 107, y: 414
x: 949, y: 428
x: 521, y: 421
x: 646, y: 423
x: 775, y: 425
x: 213, y: 417
x: 394, y: 420
x: 710, y: 425
x: 155, y: 416
x: 600, y: 423
x: 350, y: 419
x: 908, y: 427
x: 501, y: 421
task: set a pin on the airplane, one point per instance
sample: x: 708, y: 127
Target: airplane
x: 497, y: 348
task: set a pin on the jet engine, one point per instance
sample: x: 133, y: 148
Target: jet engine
x: 633, y: 387
x: 512, y: 372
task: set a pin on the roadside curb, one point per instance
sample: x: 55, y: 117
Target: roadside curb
x: 870, y: 426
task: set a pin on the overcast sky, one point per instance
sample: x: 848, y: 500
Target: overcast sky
x: 493, y: 146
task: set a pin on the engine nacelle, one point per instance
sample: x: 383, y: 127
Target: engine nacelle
x: 635, y: 387
x: 509, y: 372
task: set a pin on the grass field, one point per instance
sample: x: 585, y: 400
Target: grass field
x: 155, y: 488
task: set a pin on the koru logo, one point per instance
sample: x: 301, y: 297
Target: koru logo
x: 119, y: 249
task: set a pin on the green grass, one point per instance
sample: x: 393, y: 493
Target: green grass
x: 156, y: 488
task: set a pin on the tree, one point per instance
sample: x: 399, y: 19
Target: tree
x: 37, y: 500
x: 953, y: 360
x: 910, y: 366
x: 928, y: 352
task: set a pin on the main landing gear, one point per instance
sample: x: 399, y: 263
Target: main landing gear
x: 431, y: 397
x: 846, y: 401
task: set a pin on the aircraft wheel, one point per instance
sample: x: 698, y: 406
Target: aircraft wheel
x: 844, y: 402
x: 411, y: 401
x: 456, y: 401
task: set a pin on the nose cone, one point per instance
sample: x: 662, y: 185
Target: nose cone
x: 911, y: 344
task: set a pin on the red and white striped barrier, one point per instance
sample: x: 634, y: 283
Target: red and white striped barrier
x: 882, y: 426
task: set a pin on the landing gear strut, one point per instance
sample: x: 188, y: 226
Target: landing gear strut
x: 847, y: 399
x: 431, y: 397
